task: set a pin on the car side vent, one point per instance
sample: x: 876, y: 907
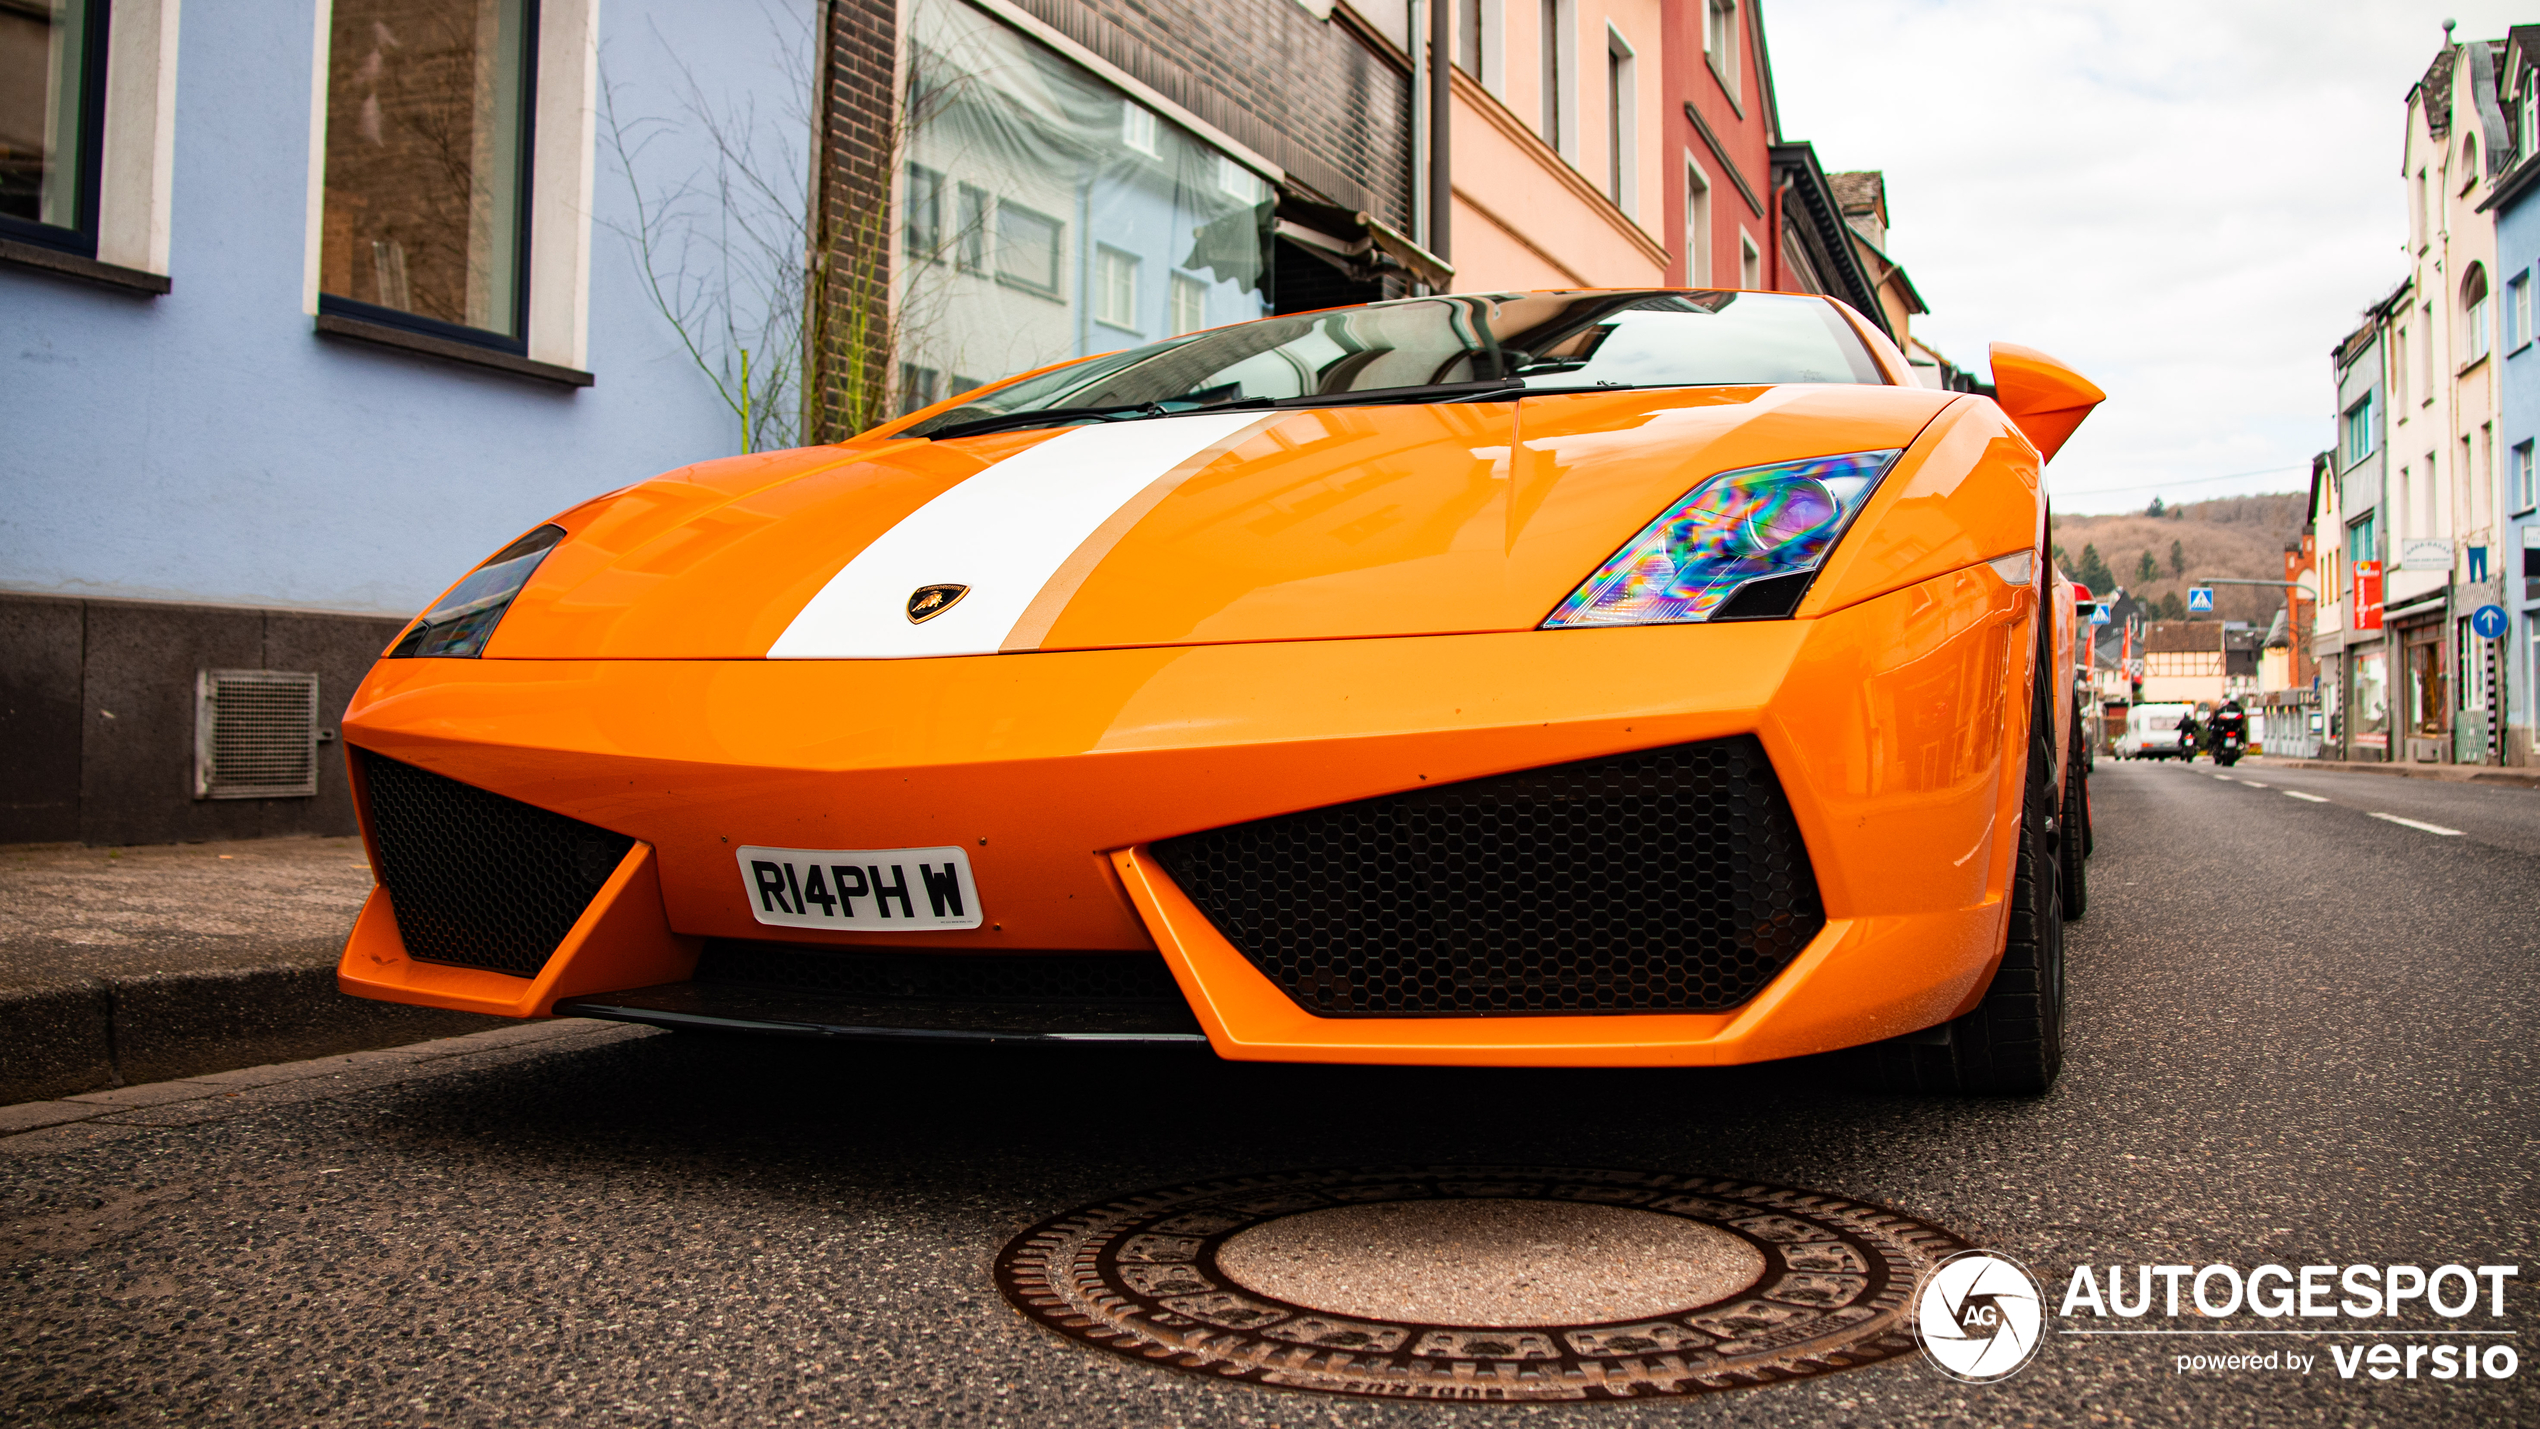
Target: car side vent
x: 255, y: 734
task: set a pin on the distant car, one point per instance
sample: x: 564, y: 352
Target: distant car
x: 2151, y: 731
x: 1647, y: 677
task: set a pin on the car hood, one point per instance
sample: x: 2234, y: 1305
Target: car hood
x: 1324, y: 523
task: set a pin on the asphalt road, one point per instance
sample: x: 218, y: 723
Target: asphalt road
x: 2300, y: 1034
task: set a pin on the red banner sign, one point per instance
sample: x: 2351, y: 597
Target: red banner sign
x: 2367, y: 595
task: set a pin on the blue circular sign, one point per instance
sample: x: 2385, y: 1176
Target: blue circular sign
x: 2489, y: 621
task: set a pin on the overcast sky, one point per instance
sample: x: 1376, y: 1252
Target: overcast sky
x: 2188, y: 202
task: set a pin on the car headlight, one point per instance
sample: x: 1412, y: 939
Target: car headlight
x: 1741, y: 546
x: 458, y: 625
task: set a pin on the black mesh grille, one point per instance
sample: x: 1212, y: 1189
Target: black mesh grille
x: 477, y: 879
x: 941, y: 977
x: 1667, y: 881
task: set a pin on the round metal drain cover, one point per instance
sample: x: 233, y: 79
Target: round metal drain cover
x: 1488, y: 1283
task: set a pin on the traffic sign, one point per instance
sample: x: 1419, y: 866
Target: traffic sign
x: 2099, y: 614
x: 2200, y: 597
x: 2489, y: 621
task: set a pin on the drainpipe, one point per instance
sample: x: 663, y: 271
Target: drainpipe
x: 1441, y: 110
x: 1420, y: 86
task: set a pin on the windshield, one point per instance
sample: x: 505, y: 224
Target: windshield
x: 1468, y: 343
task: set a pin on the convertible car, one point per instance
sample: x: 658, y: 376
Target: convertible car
x: 1646, y: 677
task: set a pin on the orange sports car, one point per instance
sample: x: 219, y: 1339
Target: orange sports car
x: 1644, y: 677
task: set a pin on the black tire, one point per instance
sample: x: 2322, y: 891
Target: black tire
x: 2072, y: 834
x: 2226, y: 760
x: 2012, y: 1042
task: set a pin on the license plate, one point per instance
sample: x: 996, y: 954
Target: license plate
x: 904, y: 890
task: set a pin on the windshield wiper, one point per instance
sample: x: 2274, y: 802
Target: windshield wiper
x: 1140, y: 411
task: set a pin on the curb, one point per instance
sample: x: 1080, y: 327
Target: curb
x: 2447, y: 773
x: 85, y: 1034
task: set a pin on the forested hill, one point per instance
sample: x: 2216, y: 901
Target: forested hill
x: 2158, y: 556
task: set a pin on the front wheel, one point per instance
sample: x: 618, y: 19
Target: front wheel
x: 2012, y: 1043
x: 2226, y: 758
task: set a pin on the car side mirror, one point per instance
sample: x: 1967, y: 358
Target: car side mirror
x: 2044, y: 398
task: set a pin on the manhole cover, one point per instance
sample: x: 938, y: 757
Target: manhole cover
x: 1493, y: 1283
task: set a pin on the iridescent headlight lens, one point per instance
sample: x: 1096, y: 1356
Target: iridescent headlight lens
x: 458, y: 625
x: 1735, y: 529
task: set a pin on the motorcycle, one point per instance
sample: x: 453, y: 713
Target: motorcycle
x: 2227, y: 736
x: 2187, y: 741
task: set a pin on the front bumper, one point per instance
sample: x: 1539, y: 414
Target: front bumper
x: 1886, y: 723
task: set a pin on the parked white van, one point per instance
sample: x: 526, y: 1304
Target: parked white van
x: 2151, y: 731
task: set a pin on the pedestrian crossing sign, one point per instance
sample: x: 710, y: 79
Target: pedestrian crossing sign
x: 2200, y: 598
x: 2099, y: 614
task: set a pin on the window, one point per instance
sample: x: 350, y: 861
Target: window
x: 2518, y: 311
x: 923, y: 213
x: 1468, y: 37
x: 2358, y: 430
x: 2424, y: 210
x: 961, y: 384
x: 1237, y: 182
x: 2399, y: 369
x: 1137, y: 127
x: 2405, y: 502
x: 1115, y: 287
x: 2425, y: 357
x: 52, y: 121
x: 1621, y: 134
x: 1028, y: 248
x: 1697, y: 226
x: 1190, y: 303
x: 1719, y: 41
x: 1557, y: 64
x: 1750, y: 262
x: 2469, y: 163
x: 2526, y: 487
x: 2474, y: 335
x: 917, y: 387
x: 2359, y: 545
x: 425, y: 222
x: 970, y: 235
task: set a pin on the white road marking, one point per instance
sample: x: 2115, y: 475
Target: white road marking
x: 2414, y: 824
x: 2305, y: 798
x: 2252, y: 783
x: 1003, y: 533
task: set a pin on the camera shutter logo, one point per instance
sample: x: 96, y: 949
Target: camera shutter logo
x: 1979, y: 1316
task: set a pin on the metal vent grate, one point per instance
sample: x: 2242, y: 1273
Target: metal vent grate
x: 255, y: 734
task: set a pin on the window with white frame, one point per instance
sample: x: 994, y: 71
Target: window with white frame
x: 2358, y: 440
x: 1622, y: 138
x: 1190, y: 303
x: 2526, y: 483
x: 427, y: 166
x: 52, y: 118
x: 2474, y: 334
x: 2399, y: 370
x: 1750, y: 262
x: 1137, y: 127
x: 1029, y: 249
x: 1116, y: 287
x: 2518, y: 311
x: 1468, y: 37
x: 922, y: 213
x: 970, y: 231
x: 1719, y: 41
x: 2469, y: 162
x: 1237, y: 182
x: 2425, y: 356
x: 1698, y: 243
x: 1559, y: 84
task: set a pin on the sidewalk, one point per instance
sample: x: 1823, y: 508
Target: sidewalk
x: 128, y: 965
x: 2450, y: 773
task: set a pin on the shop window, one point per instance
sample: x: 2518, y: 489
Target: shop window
x: 426, y: 200
x: 52, y: 121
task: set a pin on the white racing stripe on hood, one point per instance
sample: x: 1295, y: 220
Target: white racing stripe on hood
x: 1003, y: 533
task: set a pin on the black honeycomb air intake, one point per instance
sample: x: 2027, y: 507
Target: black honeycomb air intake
x: 1672, y: 880
x: 474, y: 878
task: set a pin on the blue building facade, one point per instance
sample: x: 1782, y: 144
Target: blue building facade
x: 312, y: 304
x: 2515, y: 206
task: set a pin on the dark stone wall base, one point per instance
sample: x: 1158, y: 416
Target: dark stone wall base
x: 97, y: 713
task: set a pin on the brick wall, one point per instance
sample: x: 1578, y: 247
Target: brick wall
x: 1307, y: 94
x: 849, y: 294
